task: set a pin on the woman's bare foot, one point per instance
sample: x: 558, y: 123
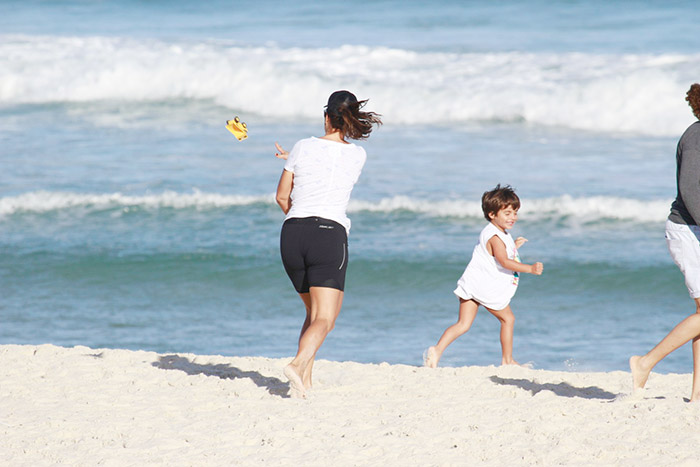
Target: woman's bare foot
x: 306, y: 379
x: 296, y: 386
x: 640, y: 373
x: 430, y: 357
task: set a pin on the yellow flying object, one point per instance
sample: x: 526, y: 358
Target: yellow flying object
x: 238, y: 128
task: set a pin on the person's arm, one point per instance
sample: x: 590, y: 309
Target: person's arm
x: 689, y: 177
x: 501, y: 254
x: 281, y: 153
x: 284, y: 191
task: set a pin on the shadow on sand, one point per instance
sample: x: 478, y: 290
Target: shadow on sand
x: 274, y: 386
x: 560, y: 389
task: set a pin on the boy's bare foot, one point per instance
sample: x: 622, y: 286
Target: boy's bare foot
x: 639, y: 373
x: 296, y: 386
x: 430, y: 357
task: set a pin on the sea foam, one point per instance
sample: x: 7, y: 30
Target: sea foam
x: 586, y: 209
x: 639, y: 93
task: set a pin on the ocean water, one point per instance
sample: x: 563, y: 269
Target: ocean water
x: 130, y: 218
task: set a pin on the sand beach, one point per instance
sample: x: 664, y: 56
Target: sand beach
x: 83, y: 406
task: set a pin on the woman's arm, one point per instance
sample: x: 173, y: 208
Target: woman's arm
x: 281, y: 153
x: 284, y: 191
x: 501, y: 255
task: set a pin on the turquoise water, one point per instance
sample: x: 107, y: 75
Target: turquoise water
x: 130, y: 218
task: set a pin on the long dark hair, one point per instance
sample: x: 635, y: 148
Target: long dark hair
x: 343, y: 111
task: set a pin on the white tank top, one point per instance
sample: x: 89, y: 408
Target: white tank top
x: 484, y: 279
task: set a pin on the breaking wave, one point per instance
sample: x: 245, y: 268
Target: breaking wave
x: 639, y: 93
x: 586, y: 209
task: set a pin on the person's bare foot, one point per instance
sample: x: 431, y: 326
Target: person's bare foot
x: 296, y: 386
x: 306, y: 379
x: 639, y: 373
x: 430, y: 357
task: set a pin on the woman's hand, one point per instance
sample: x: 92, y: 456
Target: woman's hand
x: 281, y: 153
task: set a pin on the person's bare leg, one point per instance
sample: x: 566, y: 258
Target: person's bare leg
x: 688, y: 329
x: 695, y: 393
x: 467, y: 313
x: 306, y: 298
x: 307, y: 373
x: 324, y: 311
x: 507, y: 319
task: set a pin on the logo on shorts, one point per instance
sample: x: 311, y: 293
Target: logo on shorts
x: 326, y: 227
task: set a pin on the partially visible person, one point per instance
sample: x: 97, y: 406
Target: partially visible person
x: 314, y: 191
x: 683, y: 240
x: 491, y: 277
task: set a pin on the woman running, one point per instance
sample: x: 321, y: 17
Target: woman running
x: 313, y: 192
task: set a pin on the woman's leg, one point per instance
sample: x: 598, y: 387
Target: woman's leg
x: 467, y: 313
x: 686, y: 330
x: 325, y: 304
x: 306, y: 298
x: 507, y: 319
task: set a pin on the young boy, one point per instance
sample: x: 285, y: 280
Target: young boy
x: 491, y: 277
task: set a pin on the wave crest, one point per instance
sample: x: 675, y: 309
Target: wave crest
x: 640, y: 93
x: 46, y: 201
x: 581, y: 209
x: 584, y: 209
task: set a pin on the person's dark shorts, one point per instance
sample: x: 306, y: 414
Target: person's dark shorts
x: 314, y: 253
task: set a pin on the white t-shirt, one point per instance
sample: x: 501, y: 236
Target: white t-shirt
x: 485, y: 280
x: 324, y: 174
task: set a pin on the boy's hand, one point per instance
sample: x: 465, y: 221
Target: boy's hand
x: 536, y: 269
x: 281, y: 153
x: 520, y: 241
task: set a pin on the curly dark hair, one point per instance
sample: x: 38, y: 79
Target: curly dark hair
x: 497, y: 199
x: 693, y: 98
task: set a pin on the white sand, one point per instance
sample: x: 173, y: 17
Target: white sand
x: 81, y: 406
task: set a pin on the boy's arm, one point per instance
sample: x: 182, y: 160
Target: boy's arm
x: 499, y: 252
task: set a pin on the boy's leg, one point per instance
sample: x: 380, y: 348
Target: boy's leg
x: 467, y: 313
x: 684, y: 331
x: 507, y: 319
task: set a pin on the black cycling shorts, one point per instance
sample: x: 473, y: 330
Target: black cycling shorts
x: 314, y: 253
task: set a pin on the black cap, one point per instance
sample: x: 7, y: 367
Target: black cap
x: 339, y: 99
